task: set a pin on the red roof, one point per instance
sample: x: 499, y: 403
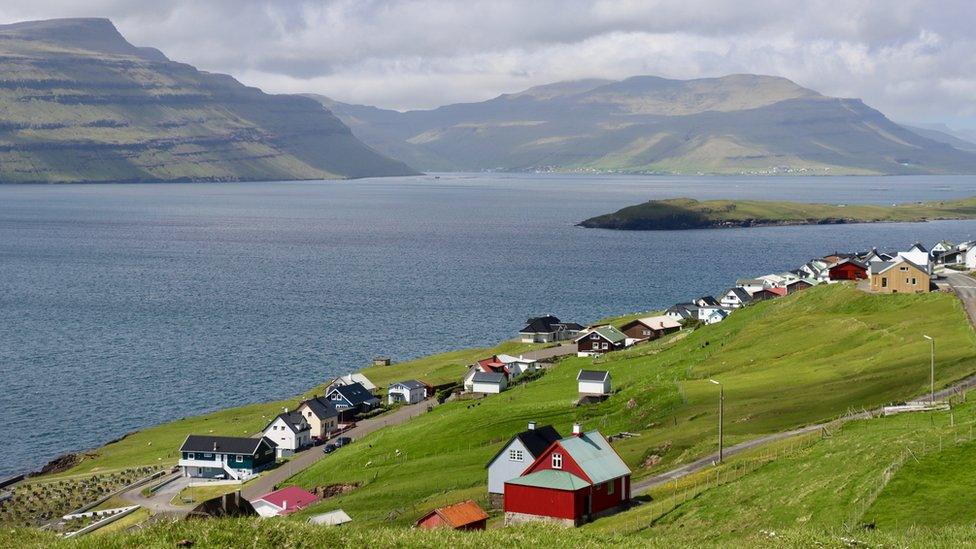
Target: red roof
x: 459, y: 514
x: 778, y: 291
x: 492, y: 365
x: 295, y: 498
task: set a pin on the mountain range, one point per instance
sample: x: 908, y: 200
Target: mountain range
x: 81, y: 104
x: 737, y: 124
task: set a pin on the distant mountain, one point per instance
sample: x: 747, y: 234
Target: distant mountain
x: 738, y: 124
x: 942, y: 134
x: 81, y: 104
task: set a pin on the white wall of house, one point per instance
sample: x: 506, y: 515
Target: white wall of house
x: 401, y: 393
x: 509, y: 464
x: 594, y: 387
x: 288, y: 441
x: 731, y: 300
x: 482, y: 387
x: 971, y: 258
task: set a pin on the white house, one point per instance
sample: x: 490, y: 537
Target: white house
x: 515, y: 456
x: 918, y: 255
x: 593, y: 382
x: 518, y: 365
x: 716, y: 316
x: 488, y: 382
x: 752, y: 285
x: 349, y: 379
x: 410, y: 391
x: 290, y: 431
x: 735, y: 298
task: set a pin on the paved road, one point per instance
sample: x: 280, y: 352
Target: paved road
x: 965, y: 288
x: 159, y: 503
x: 267, y: 481
x: 552, y: 352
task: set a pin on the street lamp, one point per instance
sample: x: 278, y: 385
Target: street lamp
x: 721, y: 417
x: 932, y: 374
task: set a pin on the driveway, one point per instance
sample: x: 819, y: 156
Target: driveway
x: 305, y: 459
x: 552, y: 352
x: 159, y: 503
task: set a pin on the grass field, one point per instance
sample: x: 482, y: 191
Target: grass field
x: 784, y: 363
x: 688, y: 213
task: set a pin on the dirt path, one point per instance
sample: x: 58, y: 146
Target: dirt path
x: 562, y: 349
x: 965, y: 288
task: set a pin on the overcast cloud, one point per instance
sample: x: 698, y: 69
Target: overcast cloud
x: 914, y: 60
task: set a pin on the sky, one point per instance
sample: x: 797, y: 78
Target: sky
x: 915, y: 60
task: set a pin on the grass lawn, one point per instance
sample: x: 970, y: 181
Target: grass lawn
x: 784, y: 363
x: 139, y: 515
x: 199, y: 494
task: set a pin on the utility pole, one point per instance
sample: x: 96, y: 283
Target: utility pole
x: 721, y: 419
x: 932, y: 371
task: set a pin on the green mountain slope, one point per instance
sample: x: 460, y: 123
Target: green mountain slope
x: 729, y: 125
x: 78, y: 103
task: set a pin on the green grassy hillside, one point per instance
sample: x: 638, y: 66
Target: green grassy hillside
x: 688, y: 213
x: 784, y: 363
x: 79, y: 104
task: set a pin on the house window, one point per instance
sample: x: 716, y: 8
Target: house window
x: 594, y: 336
x: 903, y: 269
x: 191, y: 455
x: 557, y: 461
x: 884, y: 282
x: 515, y: 455
x: 208, y: 456
x: 913, y: 282
x: 239, y: 458
x: 609, y: 487
x: 605, y: 346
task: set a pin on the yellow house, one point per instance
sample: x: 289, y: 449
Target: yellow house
x: 321, y: 416
x: 899, y: 276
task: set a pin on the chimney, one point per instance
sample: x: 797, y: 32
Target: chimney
x: 577, y: 429
x: 284, y: 505
x: 532, y: 426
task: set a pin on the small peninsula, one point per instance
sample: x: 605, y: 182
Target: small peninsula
x: 688, y: 213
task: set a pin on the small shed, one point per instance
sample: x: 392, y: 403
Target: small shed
x: 593, y: 382
x: 382, y: 361
x: 488, y: 382
x: 466, y: 515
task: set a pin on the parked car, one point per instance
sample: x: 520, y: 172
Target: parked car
x: 329, y: 448
x: 342, y: 441
x: 316, y: 441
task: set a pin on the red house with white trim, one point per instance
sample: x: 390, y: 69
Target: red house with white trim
x: 575, y: 480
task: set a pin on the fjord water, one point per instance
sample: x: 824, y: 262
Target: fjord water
x: 123, y: 306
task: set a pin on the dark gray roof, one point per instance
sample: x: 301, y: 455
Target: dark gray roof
x: 535, y: 441
x: 223, y: 445
x: 488, y: 377
x: 321, y: 407
x: 293, y: 420
x: 741, y: 294
x: 354, y: 393
x: 540, y: 325
x: 708, y: 300
x: 409, y: 384
x: 592, y: 375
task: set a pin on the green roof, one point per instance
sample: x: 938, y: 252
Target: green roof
x: 595, y: 456
x: 609, y: 333
x: 549, y: 478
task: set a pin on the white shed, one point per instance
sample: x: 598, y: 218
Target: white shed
x: 593, y: 382
x: 488, y: 382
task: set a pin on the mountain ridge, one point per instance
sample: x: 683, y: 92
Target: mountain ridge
x: 82, y: 104
x: 734, y: 124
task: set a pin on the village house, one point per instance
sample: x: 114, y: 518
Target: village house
x: 290, y: 432
x: 848, y: 269
x: 899, y: 276
x: 682, y: 311
x: 736, y: 298
x: 233, y: 458
x: 941, y: 247
x: 575, y: 480
x: 283, y: 502
x: 518, y: 365
x: 466, y: 515
x: 651, y: 327
x: 600, y: 340
x: 751, y: 285
x: 797, y: 285
x: 919, y: 256
x: 515, y: 456
x: 410, y: 391
x: 321, y: 415
x: 548, y: 329
x: 349, y: 379
x: 874, y: 256
x: 593, y: 382
x: 706, y: 301
x: 954, y: 256
x: 715, y: 316
x: 352, y: 399
x: 488, y: 382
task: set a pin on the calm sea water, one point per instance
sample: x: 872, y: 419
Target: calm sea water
x: 122, y: 306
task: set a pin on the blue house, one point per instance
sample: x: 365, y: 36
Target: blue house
x: 233, y: 458
x: 352, y: 399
